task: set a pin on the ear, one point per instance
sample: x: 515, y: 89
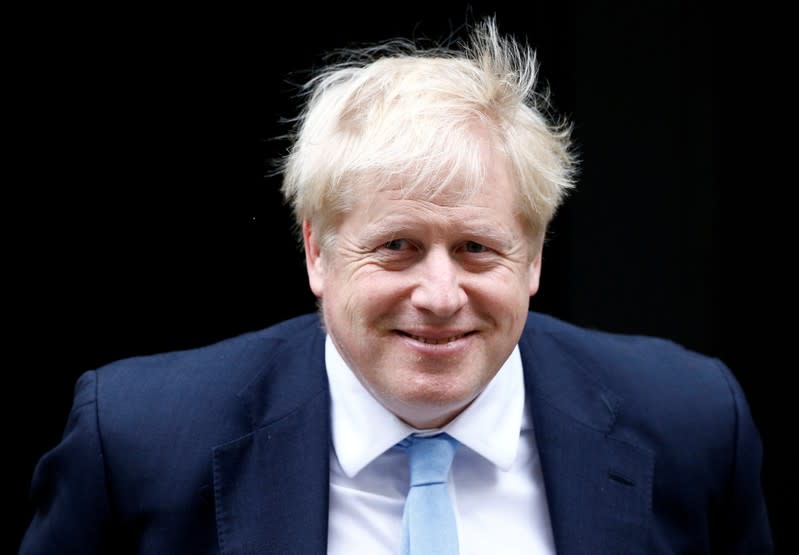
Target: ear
x: 535, y: 273
x: 313, y: 259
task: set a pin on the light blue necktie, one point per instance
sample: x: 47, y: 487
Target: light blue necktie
x: 428, y: 521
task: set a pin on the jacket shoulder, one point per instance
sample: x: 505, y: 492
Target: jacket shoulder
x: 658, y: 384
x: 610, y: 352
x: 195, y: 392
x: 230, y: 361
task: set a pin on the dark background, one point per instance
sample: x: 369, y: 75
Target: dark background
x: 139, y: 216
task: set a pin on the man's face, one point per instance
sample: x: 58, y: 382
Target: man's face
x: 425, y: 299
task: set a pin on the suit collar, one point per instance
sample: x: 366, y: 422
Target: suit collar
x: 271, y: 485
x: 598, y: 487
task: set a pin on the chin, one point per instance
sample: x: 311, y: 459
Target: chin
x: 434, y: 404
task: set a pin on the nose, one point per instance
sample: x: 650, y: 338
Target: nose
x: 438, y: 289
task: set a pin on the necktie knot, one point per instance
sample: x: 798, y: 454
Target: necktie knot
x: 430, y: 458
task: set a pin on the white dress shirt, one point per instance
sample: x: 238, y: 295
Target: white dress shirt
x: 496, y: 483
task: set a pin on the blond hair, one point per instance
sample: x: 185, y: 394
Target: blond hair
x: 400, y: 115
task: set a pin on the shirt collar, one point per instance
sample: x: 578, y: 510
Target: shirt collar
x: 363, y: 429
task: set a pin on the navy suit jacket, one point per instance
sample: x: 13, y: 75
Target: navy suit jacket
x: 645, y: 448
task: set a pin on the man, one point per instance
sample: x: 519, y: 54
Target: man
x: 423, y: 183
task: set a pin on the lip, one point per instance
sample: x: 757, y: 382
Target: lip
x: 436, y: 340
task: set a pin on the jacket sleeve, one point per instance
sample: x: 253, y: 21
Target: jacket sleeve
x: 744, y: 525
x: 68, y: 490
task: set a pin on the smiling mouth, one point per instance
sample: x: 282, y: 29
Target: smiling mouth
x: 436, y: 340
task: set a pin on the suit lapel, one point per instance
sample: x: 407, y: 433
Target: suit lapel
x: 271, y: 485
x: 598, y: 488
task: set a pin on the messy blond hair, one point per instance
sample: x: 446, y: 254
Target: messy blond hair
x: 403, y: 116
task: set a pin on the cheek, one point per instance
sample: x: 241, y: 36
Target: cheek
x: 506, y: 291
x: 361, y: 297
x: 379, y: 286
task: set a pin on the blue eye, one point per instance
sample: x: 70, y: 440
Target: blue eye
x: 471, y: 246
x: 394, y: 244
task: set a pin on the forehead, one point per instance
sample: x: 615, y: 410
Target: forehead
x: 487, y: 209
x: 453, y: 198
x: 478, y: 203
x: 468, y: 180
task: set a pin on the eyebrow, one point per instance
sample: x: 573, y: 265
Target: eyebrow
x: 396, y: 226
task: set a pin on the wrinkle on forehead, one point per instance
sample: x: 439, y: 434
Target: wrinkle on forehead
x: 454, y: 202
x: 454, y: 195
